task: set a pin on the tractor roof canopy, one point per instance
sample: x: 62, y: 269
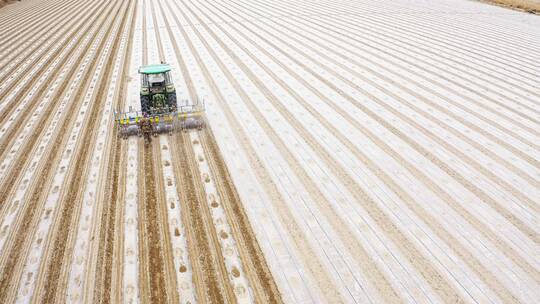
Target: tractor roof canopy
x: 154, y: 69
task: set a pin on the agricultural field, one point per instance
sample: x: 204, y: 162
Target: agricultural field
x: 353, y: 152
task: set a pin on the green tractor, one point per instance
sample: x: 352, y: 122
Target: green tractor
x: 160, y: 111
x: 158, y: 95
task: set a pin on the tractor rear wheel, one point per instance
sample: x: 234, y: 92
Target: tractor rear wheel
x: 171, y: 101
x: 145, y: 104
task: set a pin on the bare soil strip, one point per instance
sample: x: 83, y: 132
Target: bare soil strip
x: 152, y: 263
x: 161, y: 53
x: 145, y: 35
x: 31, y: 212
x: 529, y: 6
x: 162, y: 221
x: 109, y: 239
x: 160, y: 283
x: 252, y: 257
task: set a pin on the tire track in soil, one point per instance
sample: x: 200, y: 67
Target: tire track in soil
x: 152, y: 285
x: 53, y: 267
x: 439, y: 283
x: 109, y: 225
x: 433, y: 223
x: 144, y: 35
x: 161, y: 210
x: 309, y: 258
x: 38, y: 189
x: 11, y: 176
x: 209, y: 272
x: 172, y: 284
x: 155, y: 26
x: 152, y: 282
x: 109, y: 260
x: 252, y: 257
x: 143, y: 276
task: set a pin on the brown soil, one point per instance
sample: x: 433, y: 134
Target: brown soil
x: 529, y: 6
x: 152, y: 266
x: 6, y: 2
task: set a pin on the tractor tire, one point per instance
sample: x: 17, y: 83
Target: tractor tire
x: 145, y: 104
x: 171, y: 101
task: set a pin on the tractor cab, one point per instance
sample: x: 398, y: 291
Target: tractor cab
x: 158, y: 95
x: 157, y: 82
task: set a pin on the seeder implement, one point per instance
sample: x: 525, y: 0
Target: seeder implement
x: 139, y: 123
